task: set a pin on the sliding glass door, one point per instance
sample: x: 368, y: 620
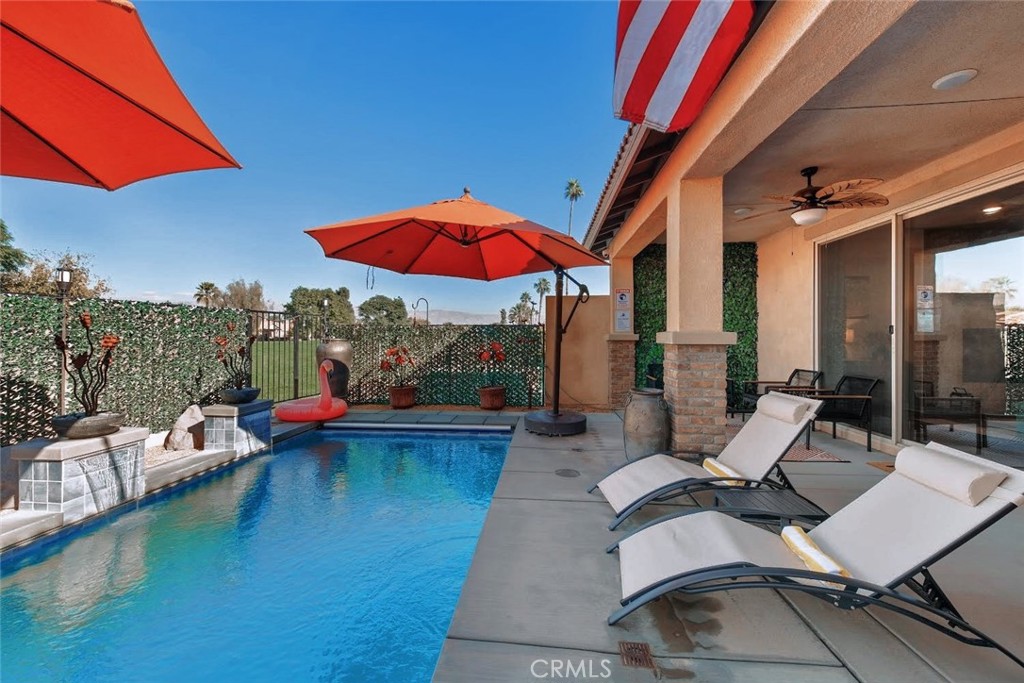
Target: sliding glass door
x: 854, y: 314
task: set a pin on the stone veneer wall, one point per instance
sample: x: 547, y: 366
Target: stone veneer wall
x: 695, y: 388
x: 621, y: 371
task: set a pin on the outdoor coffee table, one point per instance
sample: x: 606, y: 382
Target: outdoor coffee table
x: 769, y: 506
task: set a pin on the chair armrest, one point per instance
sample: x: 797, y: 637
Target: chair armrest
x: 857, y: 397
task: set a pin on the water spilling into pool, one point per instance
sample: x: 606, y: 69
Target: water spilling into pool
x: 339, y: 558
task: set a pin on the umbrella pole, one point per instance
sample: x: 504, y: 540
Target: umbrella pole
x: 554, y: 422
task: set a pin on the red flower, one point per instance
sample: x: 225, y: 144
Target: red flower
x: 485, y: 356
x: 109, y: 341
x: 385, y: 365
x: 496, y: 347
x: 221, y: 341
x: 501, y: 356
x: 86, y: 319
x: 231, y: 327
x: 400, y: 360
x: 393, y: 351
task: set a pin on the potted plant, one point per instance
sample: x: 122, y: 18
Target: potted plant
x: 399, y: 362
x: 88, y: 371
x: 490, y: 355
x: 236, y: 356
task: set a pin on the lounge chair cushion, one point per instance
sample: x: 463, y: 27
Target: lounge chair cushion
x: 809, y: 552
x: 717, y: 469
x: 967, y: 482
x: 782, y: 407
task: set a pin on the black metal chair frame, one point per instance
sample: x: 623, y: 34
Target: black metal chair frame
x: 927, y: 604
x: 861, y: 418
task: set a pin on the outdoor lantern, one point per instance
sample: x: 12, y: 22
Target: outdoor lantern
x: 63, y: 281
x: 809, y: 216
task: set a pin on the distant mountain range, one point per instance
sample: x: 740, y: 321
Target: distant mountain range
x: 441, y: 316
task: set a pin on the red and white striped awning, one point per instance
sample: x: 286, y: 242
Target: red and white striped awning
x: 671, y: 55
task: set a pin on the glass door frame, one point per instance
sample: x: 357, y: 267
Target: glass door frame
x: 895, y: 218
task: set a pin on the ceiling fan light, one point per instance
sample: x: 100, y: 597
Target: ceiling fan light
x: 809, y: 216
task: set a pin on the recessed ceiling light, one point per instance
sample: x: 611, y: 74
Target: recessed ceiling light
x: 955, y: 79
x: 742, y: 211
x: 989, y: 210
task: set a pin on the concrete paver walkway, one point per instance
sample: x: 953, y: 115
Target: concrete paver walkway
x: 540, y: 588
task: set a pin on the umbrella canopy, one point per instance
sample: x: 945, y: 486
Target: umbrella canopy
x: 86, y: 99
x: 461, y: 237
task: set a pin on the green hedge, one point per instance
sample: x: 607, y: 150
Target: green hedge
x: 166, y: 360
x: 739, y: 289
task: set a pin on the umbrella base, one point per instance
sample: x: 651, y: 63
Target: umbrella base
x: 547, y: 423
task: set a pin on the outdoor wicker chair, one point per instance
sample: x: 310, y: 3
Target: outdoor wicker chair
x: 875, y: 552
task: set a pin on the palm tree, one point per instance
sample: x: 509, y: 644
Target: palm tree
x: 542, y: 287
x: 206, y: 292
x: 573, y: 191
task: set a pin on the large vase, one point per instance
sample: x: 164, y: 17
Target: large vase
x: 338, y: 351
x: 82, y: 426
x: 492, y: 398
x: 403, y: 396
x: 239, y: 396
x: 646, y: 428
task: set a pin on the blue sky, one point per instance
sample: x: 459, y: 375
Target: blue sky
x: 338, y: 110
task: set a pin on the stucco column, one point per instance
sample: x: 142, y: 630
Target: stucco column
x: 621, y: 339
x: 694, y: 342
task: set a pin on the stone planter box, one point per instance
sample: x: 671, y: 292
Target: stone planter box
x: 81, y: 477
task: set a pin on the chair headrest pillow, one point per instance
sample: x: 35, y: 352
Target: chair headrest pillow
x: 781, y: 407
x: 963, y: 480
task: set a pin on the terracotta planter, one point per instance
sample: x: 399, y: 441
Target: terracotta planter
x: 492, y: 398
x: 238, y: 396
x: 403, y: 397
x: 82, y: 426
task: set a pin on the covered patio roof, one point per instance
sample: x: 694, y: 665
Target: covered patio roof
x: 852, y: 97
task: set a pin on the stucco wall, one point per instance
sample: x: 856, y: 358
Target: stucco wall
x: 584, y: 352
x: 785, y: 300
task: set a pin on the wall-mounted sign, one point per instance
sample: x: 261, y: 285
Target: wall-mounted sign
x: 925, y: 297
x: 623, y: 322
x: 622, y: 299
x: 926, y: 321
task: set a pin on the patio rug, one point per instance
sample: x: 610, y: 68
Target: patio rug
x: 798, y: 453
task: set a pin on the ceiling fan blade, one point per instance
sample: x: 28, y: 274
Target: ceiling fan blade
x: 854, y: 185
x: 783, y: 198
x: 764, y: 213
x: 857, y: 201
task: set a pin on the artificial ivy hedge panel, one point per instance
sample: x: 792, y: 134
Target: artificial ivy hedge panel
x: 739, y: 302
x: 447, y: 370
x: 165, y: 361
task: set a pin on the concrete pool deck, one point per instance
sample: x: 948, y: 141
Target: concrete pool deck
x: 540, y: 588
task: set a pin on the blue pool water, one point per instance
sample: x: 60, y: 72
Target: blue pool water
x: 340, y: 558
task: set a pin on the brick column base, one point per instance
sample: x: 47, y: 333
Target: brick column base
x: 621, y: 371
x: 695, y: 390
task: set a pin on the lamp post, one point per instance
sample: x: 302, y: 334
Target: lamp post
x: 415, y: 307
x: 327, y: 305
x: 63, y: 278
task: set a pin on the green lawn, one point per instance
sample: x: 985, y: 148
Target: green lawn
x: 272, y: 369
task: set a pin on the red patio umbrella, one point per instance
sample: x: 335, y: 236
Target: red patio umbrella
x: 86, y: 99
x: 468, y: 238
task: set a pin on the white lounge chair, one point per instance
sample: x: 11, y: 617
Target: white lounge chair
x: 937, y: 499
x: 746, y: 461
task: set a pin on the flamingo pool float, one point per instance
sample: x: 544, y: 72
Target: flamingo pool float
x: 316, y: 408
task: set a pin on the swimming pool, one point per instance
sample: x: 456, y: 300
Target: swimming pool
x: 339, y: 558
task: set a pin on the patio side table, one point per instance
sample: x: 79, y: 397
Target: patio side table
x: 778, y: 505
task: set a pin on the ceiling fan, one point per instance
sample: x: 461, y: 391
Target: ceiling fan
x: 809, y: 204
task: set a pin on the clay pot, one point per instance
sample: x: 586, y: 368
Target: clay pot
x: 237, y: 396
x: 646, y: 426
x: 403, y: 396
x: 337, y: 349
x: 492, y: 398
x: 82, y: 426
